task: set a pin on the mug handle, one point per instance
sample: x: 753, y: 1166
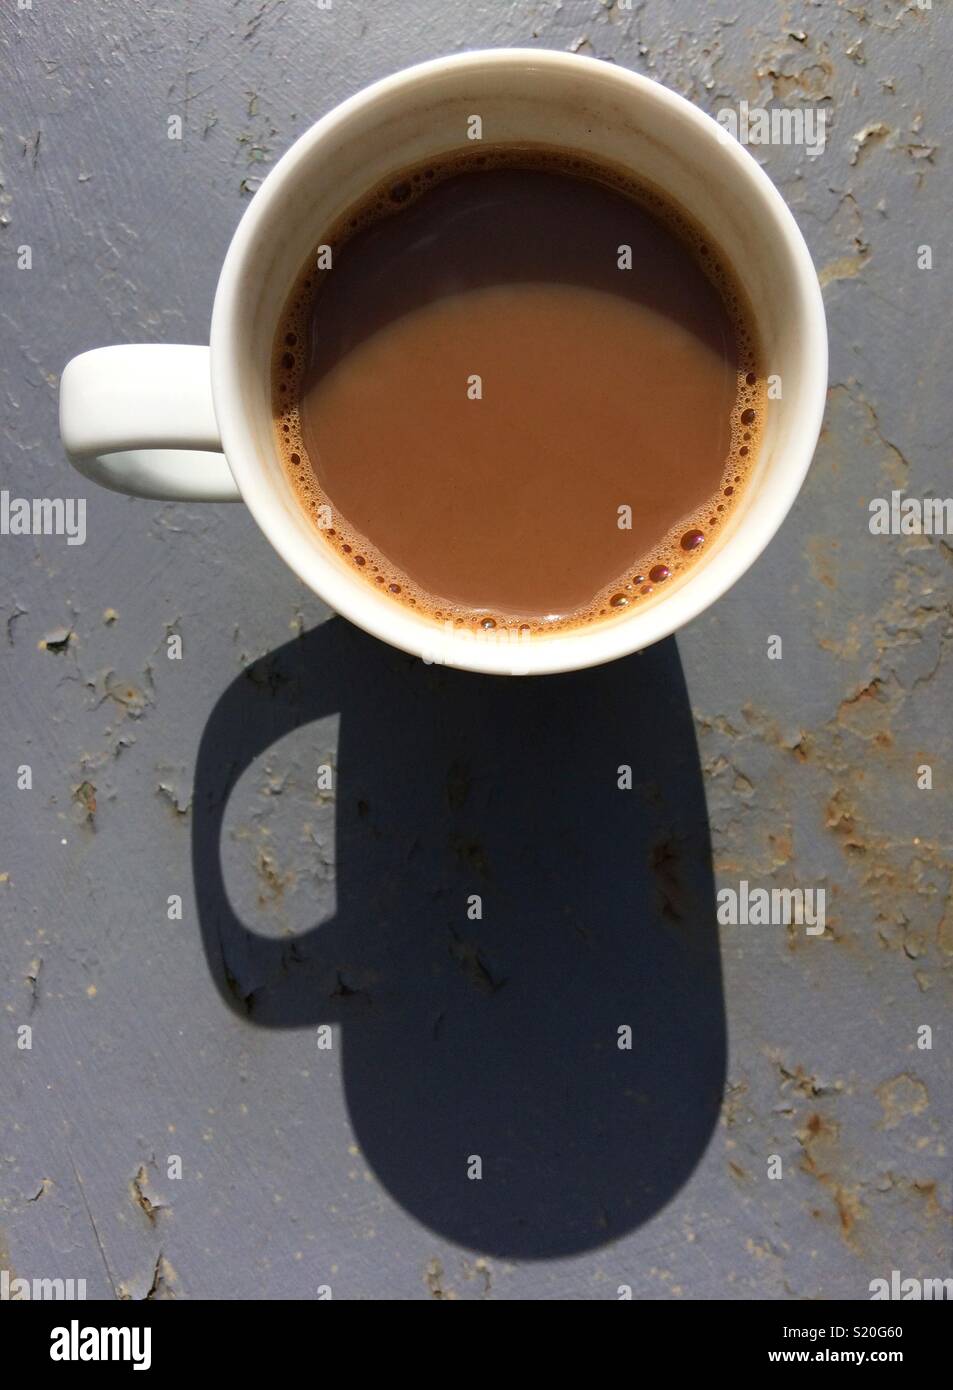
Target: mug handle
x: 139, y: 419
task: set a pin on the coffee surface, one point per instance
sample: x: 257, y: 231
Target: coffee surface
x: 524, y: 393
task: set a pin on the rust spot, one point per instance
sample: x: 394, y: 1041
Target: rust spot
x: 848, y: 1209
x: 666, y: 868
x: 273, y: 883
x: 85, y: 797
x: 821, y: 1160
x: 433, y: 1278
x: 840, y: 819
x: 899, y: 1097
x: 468, y: 957
x: 471, y: 854
x: 802, y: 749
x: 142, y: 1198
x: 58, y: 640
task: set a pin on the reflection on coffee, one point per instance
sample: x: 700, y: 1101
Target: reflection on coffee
x: 525, y: 395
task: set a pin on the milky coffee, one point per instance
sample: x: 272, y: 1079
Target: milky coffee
x: 517, y: 390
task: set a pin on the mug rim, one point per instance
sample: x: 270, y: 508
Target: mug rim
x: 349, y: 595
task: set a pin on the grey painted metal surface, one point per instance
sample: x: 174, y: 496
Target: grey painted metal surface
x: 152, y: 1037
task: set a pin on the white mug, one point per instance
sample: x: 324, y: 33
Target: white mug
x: 195, y: 423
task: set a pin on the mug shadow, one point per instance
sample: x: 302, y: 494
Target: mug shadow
x: 493, y: 1037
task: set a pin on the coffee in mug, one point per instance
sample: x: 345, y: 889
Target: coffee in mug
x: 517, y: 389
